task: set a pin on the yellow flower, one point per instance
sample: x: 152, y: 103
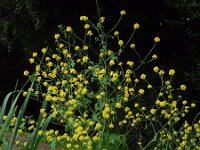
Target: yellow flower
x: 154, y: 56
x: 56, y: 36
x: 167, y: 82
x: 83, y: 18
x: 69, y: 146
x: 44, y: 50
x: 139, y: 143
x: 105, y: 115
x: 50, y: 64
x: 149, y: 86
x: 183, y: 143
x: 26, y: 72
x: 156, y: 69
x: 126, y: 109
x: 31, y: 60
x: 35, y: 54
x: 124, y: 122
x: 77, y: 48
x: 65, y: 51
x: 157, y: 102
x: 31, y: 128
x: 121, y: 42
x: 112, y: 62
x: 122, y: 12
x: 85, y: 59
x: 143, y: 76
x: 130, y: 63
x: 42, y: 110
x: 193, y: 105
x: 25, y: 93
x: 78, y: 60
x: 132, y: 45
x: 113, y: 112
x: 116, y: 33
x: 110, y: 52
x: 89, y: 33
x: 69, y: 55
x: 153, y: 111
x: 119, y: 87
x: 136, y: 26
x: 17, y: 142
x: 156, y: 39
x: 84, y: 91
x: 174, y: 104
x: 118, y: 105
x: 61, y: 45
x: 163, y: 103
x: 136, y: 105
x: 101, y: 54
x: 115, y: 76
x: 85, y: 47
x: 102, y: 19
x: 136, y: 80
x: 160, y: 94
x: 95, y: 138
x: 184, y: 102
x: 183, y: 87
x: 32, y: 122
x: 47, y: 59
x: 169, y: 137
x: 20, y: 131
x: 141, y: 91
x: 85, y: 115
x: 161, y: 72
x: 40, y: 132
x: 171, y: 72
x: 4, y: 117
x: 179, y: 148
x: 86, y: 26
x: 143, y: 108
x: 69, y: 29
x: 97, y: 126
x: 111, y: 125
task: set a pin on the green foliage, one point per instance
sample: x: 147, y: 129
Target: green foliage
x: 9, y: 120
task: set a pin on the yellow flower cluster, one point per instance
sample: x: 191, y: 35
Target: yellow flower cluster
x: 89, y: 96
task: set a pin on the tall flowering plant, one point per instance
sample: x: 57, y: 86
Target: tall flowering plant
x: 100, y: 101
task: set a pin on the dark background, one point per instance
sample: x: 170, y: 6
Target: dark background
x: 29, y: 25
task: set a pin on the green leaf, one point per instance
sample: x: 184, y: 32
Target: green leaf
x: 4, y: 106
x: 53, y: 144
x: 94, y: 117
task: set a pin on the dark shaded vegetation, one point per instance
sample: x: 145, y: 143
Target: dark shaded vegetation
x: 29, y: 25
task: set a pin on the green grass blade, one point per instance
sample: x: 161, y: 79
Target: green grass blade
x: 20, y: 116
x: 44, y: 127
x: 15, y: 101
x: 39, y: 124
x: 3, y: 109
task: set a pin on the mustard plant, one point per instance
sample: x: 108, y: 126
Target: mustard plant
x: 102, y: 102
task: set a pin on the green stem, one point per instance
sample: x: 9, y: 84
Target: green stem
x: 143, y: 61
x: 98, y: 11
x: 131, y: 36
x: 114, y: 26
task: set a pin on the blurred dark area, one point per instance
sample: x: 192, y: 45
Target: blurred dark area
x: 29, y: 25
